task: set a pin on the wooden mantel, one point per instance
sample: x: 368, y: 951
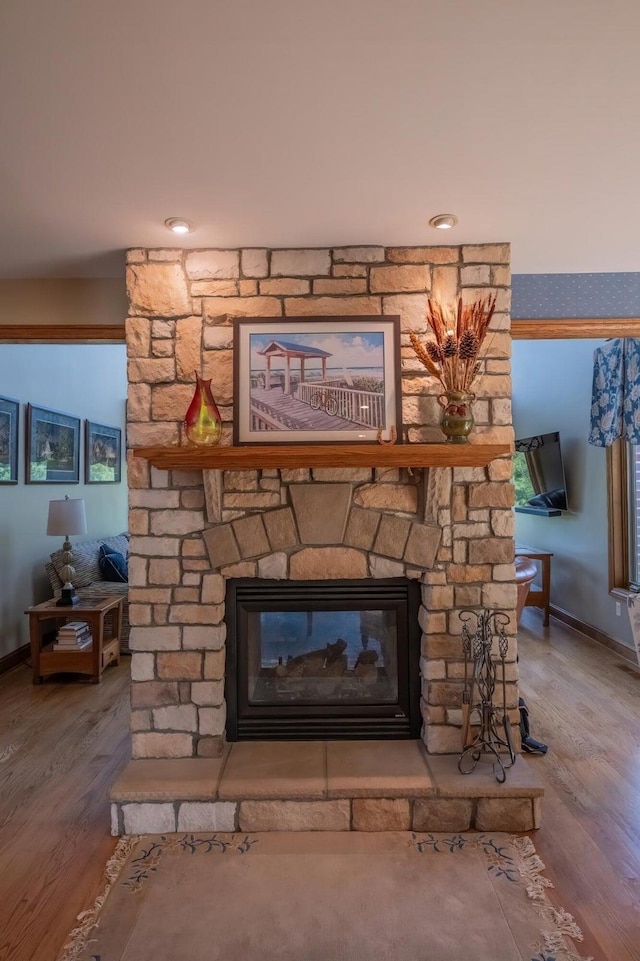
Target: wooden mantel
x: 322, y: 455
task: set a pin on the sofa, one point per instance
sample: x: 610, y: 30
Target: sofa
x: 88, y: 580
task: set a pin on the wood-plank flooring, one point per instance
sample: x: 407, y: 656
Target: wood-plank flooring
x: 62, y: 744
x: 584, y: 703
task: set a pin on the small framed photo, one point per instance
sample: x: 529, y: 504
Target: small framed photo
x: 316, y: 380
x: 102, y: 454
x: 9, y: 417
x: 53, y: 447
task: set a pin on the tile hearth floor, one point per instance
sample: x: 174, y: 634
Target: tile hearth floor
x: 322, y: 785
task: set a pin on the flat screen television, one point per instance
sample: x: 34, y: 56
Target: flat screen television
x: 538, y: 475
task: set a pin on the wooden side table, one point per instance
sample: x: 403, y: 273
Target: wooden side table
x: 92, y: 661
x: 539, y: 597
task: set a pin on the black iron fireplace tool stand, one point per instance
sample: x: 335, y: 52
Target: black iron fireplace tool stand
x: 480, y: 631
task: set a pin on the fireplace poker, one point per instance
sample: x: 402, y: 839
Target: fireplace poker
x: 468, y: 685
x: 502, y: 647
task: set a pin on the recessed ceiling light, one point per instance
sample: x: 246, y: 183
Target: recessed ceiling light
x: 443, y: 221
x: 178, y: 225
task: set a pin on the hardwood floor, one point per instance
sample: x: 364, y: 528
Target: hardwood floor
x: 62, y: 744
x: 583, y: 702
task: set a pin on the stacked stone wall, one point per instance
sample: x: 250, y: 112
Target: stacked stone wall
x: 452, y: 528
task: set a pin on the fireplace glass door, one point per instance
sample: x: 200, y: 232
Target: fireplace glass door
x: 334, y: 659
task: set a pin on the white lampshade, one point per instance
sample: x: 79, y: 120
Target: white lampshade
x: 67, y: 517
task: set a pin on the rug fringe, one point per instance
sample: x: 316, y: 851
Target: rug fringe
x: 79, y: 937
x: 562, y: 923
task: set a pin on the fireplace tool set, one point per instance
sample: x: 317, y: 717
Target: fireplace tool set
x: 493, y: 737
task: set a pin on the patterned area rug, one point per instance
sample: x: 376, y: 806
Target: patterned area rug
x: 324, y: 897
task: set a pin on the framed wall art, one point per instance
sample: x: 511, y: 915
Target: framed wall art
x: 53, y: 447
x: 102, y: 454
x: 316, y: 380
x: 9, y: 417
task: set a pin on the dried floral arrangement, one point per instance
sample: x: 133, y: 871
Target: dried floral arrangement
x: 459, y: 334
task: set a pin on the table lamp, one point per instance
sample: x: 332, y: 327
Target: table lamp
x: 67, y: 517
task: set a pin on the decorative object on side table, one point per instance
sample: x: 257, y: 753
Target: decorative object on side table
x: 479, y: 631
x: 202, y: 422
x: 67, y: 517
x: 102, y: 454
x: 9, y: 415
x: 73, y: 636
x: 452, y: 358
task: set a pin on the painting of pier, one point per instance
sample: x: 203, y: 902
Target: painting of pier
x: 316, y: 379
x: 299, y: 384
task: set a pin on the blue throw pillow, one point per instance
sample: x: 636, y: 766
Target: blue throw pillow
x: 113, y: 565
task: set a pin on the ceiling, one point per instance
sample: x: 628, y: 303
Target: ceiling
x: 296, y: 123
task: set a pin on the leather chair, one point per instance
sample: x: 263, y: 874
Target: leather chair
x: 526, y: 571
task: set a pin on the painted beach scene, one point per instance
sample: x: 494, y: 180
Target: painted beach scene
x: 324, y: 381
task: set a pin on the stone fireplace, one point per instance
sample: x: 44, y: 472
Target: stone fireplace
x: 446, y: 530
x: 211, y: 537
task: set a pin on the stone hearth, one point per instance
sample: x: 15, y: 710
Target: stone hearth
x: 322, y: 786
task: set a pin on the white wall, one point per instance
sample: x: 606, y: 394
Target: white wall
x: 88, y: 381
x: 552, y: 391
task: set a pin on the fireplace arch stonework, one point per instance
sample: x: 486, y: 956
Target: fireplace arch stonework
x: 449, y: 528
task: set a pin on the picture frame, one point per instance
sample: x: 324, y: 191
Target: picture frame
x: 102, y: 454
x: 9, y: 424
x: 52, y: 448
x: 301, y: 380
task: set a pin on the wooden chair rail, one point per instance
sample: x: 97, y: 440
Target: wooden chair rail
x: 62, y: 333
x: 574, y: 328
x: 570, y: 328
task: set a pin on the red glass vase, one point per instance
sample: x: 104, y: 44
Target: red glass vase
x: 202, y: 422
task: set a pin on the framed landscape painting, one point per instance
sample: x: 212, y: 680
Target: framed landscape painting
x: 53, y: 447
x: 316, y: 380
x: 9, y: 415
x: 102, y: 454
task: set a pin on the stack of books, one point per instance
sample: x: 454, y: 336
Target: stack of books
x: 74, y: 636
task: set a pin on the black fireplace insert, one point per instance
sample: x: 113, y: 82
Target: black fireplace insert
x: 322, y: 659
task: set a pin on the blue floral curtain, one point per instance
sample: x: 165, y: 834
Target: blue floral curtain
x: 615, y: 399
